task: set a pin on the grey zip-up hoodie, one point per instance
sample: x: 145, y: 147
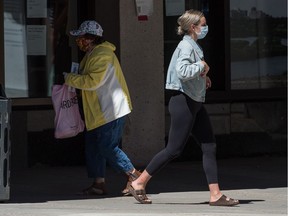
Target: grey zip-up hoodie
x: 184, y: 70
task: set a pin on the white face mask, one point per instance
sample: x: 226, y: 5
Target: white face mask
x: 203, y: 32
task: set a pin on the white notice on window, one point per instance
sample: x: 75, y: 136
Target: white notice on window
x: 36, y: 8
x: 16, y: 78
x: 174, y: 7
x: 36, y: 39
x: 144, y: 7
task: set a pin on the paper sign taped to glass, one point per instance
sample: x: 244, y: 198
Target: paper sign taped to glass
x: 144, y: 8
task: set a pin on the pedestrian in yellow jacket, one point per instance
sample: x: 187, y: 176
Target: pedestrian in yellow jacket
x: 106, y: 103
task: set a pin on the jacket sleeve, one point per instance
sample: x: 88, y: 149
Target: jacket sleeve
x: 93, y: 75
x: 188, y: 65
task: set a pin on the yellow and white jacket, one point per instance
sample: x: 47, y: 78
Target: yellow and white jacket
x: 105, y: 94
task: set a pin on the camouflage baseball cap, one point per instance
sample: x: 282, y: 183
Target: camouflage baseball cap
x: 88, y: 27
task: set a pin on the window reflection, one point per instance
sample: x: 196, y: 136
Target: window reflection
x: 16, y: 80
x: 258, y: 44
x: 37, y: 49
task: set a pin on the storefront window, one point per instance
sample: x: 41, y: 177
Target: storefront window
x: 258, y: 44
x: 16, y: 80
x: 36, y: 45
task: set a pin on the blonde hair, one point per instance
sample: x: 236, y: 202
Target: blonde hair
x: 187, y: 19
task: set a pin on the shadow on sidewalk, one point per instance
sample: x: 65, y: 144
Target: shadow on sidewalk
x: 42, y: 184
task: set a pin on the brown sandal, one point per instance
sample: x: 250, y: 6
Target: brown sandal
x: 224, y: 201
x: 131, y: 178
x: 95, y: 189
x: 139, y: 195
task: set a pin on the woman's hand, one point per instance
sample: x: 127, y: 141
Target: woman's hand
x: 208, y: 82
x: 65, y: 75
x: 205, y: 70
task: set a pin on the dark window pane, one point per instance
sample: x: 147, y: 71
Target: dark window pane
x: 37, y: 47
x: 258, y: 44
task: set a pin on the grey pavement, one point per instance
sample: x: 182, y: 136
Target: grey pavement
x: 180, y: 189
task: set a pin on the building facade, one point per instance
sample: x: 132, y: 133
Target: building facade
x: 246, y: 49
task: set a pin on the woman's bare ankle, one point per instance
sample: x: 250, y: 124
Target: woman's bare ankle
x: 214, y: 197
x: 137, y: 185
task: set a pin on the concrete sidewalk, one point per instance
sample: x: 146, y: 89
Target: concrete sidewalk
x: 260, y: 183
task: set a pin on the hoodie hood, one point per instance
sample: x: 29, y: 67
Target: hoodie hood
x: 108, y: 45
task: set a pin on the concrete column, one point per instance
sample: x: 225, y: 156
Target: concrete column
x: 142, y: 60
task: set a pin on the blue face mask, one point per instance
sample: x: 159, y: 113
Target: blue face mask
x: 203, y: 32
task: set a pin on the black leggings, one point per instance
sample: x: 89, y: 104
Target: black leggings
x: 187, y: 116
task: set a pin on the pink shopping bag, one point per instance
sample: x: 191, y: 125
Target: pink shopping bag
x: 68, y: 121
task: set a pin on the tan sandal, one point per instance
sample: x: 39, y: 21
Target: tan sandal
x: 139, y: 195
